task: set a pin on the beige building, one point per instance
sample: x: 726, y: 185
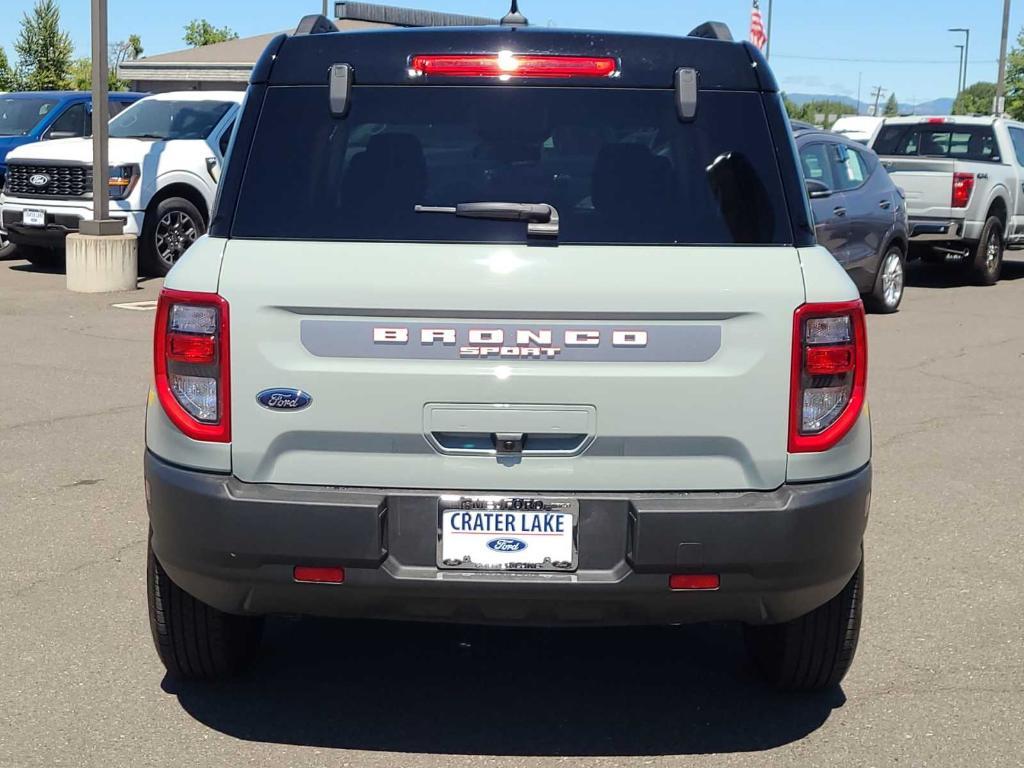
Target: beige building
x: 226, y: 66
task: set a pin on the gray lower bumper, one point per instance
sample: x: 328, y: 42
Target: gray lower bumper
x: 938, y: 230
x: 780, y: 554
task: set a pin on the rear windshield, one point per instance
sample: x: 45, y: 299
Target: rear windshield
x: 618, y: 165
x: 959, y: 142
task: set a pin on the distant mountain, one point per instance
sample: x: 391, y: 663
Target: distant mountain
x: 935, y: 107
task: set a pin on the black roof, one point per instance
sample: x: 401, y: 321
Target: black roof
x: 381, y: 57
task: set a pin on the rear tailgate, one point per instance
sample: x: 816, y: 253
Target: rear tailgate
x: 690, y: 395
x: 927, y: 183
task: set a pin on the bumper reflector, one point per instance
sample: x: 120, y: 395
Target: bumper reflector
x: 692, y: 582
x: 311, y: 575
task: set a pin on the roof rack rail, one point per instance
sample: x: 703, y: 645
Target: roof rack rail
x: 315, y: 24
x: 713, y: 30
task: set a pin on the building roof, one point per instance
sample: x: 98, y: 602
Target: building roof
x: 233, y: 60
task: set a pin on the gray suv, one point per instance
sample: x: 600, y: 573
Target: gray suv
x: 859, y: 213
x: 512, y: 326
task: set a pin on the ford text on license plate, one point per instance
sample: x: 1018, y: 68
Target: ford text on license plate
x: 507, y: 533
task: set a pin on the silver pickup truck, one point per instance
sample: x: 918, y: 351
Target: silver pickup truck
x: 963, y: 181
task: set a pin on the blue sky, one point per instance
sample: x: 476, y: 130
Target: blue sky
x: 818, y: 47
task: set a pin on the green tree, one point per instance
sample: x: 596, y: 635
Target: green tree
x: 81, y: 76
x: 976, y: 100
x: 1015, y: 80
x: 200, y: 32
x: 8, y: 78
x: 892, y: 106
x: 44, y: 49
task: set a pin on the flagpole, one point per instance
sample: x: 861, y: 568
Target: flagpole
x: 768, y: 46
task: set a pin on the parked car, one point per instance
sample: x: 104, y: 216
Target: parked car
x: 859, y: 213
x: 859, y: 128
x: 963, y: 180
x: 28, y: 117
x: 519, y: 334
x: 165, y: 157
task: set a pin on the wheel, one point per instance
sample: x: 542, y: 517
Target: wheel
x: 887, y: 294
x: 168, y: 231
x: 194, y: 640
x: 46, y: 258
x: 987, y: 263
x: 815, y: 651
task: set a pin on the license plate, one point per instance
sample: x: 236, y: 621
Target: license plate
x: 507, y: 533
x: 31, y: 217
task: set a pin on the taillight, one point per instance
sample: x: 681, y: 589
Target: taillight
x: 830, y: 372
x: 963, y: 188
x: 506, y: 65
x: 191, y: 363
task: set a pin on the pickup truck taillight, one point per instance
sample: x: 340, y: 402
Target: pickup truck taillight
x: 191, y: 363
x: 963, y: 187
x: 830, y: 372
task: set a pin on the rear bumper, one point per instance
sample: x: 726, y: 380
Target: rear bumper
x: 925, y: 229
x: 780, y: 554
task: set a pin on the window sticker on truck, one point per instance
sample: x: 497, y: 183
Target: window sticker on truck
x: 599, y: 341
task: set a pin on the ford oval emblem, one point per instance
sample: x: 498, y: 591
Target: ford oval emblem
x: 507, y: 545
x: 38, y: 179
x: 284, y: 399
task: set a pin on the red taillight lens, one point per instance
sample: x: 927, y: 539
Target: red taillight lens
x: 693, y: 582
x: 829, y: 378
x: 963, y: 188
x: 191, y: 364
x: 507, y: 65
x: 313, y: 575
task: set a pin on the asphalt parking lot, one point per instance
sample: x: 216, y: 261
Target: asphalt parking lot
x: 939, y: 678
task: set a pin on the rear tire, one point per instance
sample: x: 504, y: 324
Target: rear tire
x: 815, y: 651
x: 890, y: 282
x: 196, y: 641
x: 987, y: 264
x: 167, y: 232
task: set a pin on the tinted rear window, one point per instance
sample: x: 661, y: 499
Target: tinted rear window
x: 958, y: 142
x: 618, y: 165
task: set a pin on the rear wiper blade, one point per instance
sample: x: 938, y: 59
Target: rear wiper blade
x: 542, y: 217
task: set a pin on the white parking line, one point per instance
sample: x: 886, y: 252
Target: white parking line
x: 137, y: 306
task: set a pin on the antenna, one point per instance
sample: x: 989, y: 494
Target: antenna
x: 514, y: 18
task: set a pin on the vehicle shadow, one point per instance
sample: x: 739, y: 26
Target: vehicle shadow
x: 921, y: 275
x: 505, y: 692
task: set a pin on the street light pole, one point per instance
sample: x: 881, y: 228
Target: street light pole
x: 101, y: 223
x: 960, y: 73
x: 966, y: 57
x: 1000, y: 104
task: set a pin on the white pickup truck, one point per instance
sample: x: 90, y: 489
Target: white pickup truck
x: 964, y: 184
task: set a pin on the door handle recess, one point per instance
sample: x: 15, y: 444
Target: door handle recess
x: 885, y: 205
x: 839, y: 211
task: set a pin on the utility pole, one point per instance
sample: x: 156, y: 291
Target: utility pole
x: 878, y: 93
x: 768, y: 46
x: 1000, y: 104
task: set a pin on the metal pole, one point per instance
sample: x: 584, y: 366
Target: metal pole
x: 325, y: 8
x: 860, y: 80
x: 967, y: 56
x: 960, y: 73
x: 768, y: 46
x: 1000, y: 104
x: 101, y: 223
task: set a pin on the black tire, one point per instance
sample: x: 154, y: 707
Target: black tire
x: 815, y: 651
x: 887, y: 295
x: 169, y: 229
x: 195, y: 641
x: 45, y: 258
x: 987, y: 264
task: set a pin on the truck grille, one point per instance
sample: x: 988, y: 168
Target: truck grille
x: 60, y: 180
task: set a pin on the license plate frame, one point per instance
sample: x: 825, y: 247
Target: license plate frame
x: 519, y: 507
x: 33, y: 217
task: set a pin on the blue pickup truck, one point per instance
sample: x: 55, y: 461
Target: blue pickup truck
x: 40, y: 115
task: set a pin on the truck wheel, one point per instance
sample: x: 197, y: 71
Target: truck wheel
x: 168, y: 231
x: 987, y: 263
x: 194, y: 640
x: 815, y: 651
x: 887, y: 294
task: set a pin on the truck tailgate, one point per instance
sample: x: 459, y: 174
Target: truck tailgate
x: 927, y: 183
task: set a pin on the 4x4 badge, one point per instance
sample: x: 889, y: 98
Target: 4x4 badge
x: 284, y: 399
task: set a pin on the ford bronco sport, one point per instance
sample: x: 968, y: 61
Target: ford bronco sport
x: 514, y: 326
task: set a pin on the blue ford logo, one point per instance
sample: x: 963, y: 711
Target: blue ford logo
x: 507, y: 545
x: 284, y: 399
x: 39, y: 180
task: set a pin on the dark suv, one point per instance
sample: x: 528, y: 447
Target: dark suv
x: 859, y: 214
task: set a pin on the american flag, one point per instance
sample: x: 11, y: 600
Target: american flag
x: 757, y: 34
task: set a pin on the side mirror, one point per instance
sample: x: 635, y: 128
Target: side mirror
x: 64, y: 135
x: 817, y: 189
